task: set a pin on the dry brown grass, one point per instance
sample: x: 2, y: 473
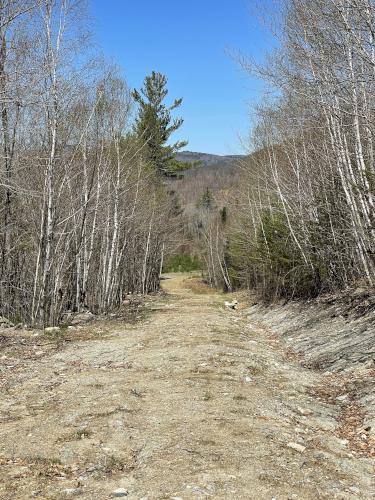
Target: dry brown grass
x: 199, y: 286
x: 352, y: 414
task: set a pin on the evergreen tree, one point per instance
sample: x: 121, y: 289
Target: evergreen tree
x: 154, y: 125
x: 176, y: 208
x: 206, y: 200
x: 223, y: 214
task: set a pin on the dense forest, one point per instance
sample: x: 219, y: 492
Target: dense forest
x: 94, y: 200
x: 83, y: 203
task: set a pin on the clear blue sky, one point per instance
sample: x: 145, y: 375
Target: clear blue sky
x: 188, y: 40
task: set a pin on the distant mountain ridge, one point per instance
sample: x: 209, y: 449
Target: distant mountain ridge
x: 207, y: 159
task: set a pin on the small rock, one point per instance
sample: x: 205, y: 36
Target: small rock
x: 343, y: 397
x: 73, y: 491
x: 51, y: 329
x: 198, y: 490
x: 354, y: 489
x: 304, y: 411
x: 322, y: 455
x: 120, y: 492
x: 248, y: 379
x: 296, y: 447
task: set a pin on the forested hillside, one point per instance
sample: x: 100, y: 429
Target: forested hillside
x: 204, y: 190
x: 217, y: 173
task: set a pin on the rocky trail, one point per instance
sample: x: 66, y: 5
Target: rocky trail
x: 191, y: 402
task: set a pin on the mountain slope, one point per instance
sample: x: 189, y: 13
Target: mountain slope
x: 217, y: 173
x: 210, y: 162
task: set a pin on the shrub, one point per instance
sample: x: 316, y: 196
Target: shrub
x: 183, y: 263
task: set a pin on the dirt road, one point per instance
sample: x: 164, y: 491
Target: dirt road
x: 190, y: 403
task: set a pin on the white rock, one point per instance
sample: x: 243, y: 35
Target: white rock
x: 296, y: 447
x: 231, y: 305
x: 248, y: 379
x: 51, y: 329
x: 354, y: 489
x: 343, y: 397
x: 304, y: 411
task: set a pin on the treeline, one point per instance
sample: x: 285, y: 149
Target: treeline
x: 309, y: 203
x: 83, y: 207
x: 304, y: 223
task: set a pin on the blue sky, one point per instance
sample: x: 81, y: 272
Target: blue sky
x: 189, y: 42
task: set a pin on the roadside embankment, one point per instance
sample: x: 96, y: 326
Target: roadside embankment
x: 334, y: 334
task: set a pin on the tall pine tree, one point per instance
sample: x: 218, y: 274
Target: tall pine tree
x: 154, y: 126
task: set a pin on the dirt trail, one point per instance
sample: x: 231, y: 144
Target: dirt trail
x: 192, y: 402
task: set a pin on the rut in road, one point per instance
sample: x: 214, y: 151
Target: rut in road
x: 192, y: 402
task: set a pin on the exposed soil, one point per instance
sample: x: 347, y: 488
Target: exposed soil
x: 191, y: 401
